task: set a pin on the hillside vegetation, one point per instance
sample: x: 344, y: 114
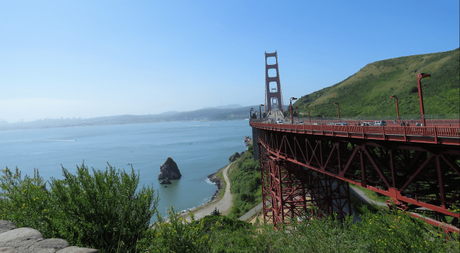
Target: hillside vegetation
x: 245, y: 184
x: 367, y: 92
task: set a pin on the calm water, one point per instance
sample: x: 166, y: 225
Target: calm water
x: 198, y: 148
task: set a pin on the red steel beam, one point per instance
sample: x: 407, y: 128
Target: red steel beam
x: 420, y: 175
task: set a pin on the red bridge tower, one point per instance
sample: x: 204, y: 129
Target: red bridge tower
x: 273, y: 96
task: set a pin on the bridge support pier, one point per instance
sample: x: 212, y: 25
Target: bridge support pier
x: 290, y: 191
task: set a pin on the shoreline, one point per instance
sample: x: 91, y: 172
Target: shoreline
x: 218, y: 182
x: 223, y: 204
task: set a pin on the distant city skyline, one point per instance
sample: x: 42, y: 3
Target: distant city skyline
x: 87, y: 59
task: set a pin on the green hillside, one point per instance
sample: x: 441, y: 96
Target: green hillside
x: 367, y: 92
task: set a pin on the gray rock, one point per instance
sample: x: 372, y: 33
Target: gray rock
x: 74, y: 249
x: 7, y: 250
x: 169, y: 170
x: 50, y: 245
x: 20, y: 239
x: 6, y: 225
x: 165, y: 181
x: 22, y: 245
x: 19, y: 234
x: 25, y: 240
x: 43, y: 251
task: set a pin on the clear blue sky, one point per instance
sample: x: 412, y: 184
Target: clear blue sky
x: 102, y: 58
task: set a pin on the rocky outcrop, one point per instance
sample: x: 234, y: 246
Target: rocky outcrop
x: 27, y: 240
x: 234, y: 157
x: 248, y: 141
x: 169, y: 170
x: 218, y: 182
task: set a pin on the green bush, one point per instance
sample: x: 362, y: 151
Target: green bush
x: 377, y: 232
x: 214, y: 223
x: 27, y: 202
x: 212, y: 233
x: 175, y: 235
x: 101, y: 210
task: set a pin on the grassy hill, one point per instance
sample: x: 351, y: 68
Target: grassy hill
x: 367, y: 92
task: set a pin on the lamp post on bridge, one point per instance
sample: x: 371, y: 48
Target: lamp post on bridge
x: 420, y: 76
x: 397, y: 108
x: 338, y: 109
x: 260, y: 111
x: 308, y: 110
x: 290, y: 107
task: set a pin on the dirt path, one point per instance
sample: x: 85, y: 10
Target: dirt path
x: 223, y: 205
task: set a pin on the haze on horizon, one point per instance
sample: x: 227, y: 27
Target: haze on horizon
x: 88, y: 59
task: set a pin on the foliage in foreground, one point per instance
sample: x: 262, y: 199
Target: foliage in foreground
x: 381, y: 232
x: 102, y: 210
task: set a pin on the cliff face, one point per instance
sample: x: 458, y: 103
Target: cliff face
x: 169, y: 170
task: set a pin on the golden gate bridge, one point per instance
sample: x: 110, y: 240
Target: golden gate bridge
x: 312, y: 164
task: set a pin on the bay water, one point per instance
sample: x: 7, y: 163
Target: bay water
x: 198, y: 148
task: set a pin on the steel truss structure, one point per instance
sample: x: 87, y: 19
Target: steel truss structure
x: 290, y: 191
x: 301, y: 170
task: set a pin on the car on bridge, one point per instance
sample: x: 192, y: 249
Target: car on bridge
x: 380, y: 123
x: 341, y: 124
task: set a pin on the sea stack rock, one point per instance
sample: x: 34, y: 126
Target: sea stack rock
x: 165, y: 181
x: 169, y: 170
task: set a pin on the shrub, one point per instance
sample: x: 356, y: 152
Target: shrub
x: 102, y: 210
x: 215, y: 212
x: 213, y: 223
x: 377, y: 232
x: 175, y: 235
x: 27, y: 202
x: 213, y: 233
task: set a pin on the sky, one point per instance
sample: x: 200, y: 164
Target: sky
x: 83, y: 59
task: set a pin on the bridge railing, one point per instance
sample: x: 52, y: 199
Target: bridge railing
x: 432, y: 134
